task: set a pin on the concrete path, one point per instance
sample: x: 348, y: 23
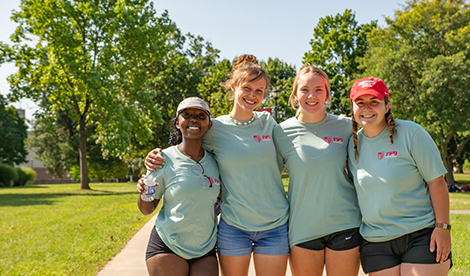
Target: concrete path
x: 131, y: 260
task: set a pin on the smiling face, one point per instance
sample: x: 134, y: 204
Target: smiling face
x: 193, y: 123
x: 311, y: 95
x: 247, y: 97
x: 370, y: 112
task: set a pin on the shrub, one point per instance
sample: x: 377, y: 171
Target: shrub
x: 8, y: 175
x: 25, y: 175
x: 466, y: 165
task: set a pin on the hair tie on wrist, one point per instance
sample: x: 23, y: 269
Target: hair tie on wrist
x: 355, y: 147
x: 391, y: 136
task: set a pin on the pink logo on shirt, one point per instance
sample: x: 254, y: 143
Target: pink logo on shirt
x: 213, y: 180
x: 381, y: 155
x: 337, y: 140
x: 388, y: 154
x: 327, y: 139
x: 266, y: 137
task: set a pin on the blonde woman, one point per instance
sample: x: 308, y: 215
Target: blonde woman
x: 324, y: 214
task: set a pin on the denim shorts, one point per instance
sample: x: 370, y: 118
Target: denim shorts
x: 232, y: 241
x: 411, y: 248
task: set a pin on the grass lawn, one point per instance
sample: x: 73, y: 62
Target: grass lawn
x: 61, y: 230
x: 460, y: 244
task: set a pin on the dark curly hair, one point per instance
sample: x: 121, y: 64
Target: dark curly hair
x: 175, y: 136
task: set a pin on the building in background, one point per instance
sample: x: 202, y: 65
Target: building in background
x: 42, y: 176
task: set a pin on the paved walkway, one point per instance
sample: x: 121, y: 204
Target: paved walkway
x: 131, y: 260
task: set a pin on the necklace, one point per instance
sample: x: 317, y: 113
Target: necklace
x: 318, y: 128
x: 242, y: 123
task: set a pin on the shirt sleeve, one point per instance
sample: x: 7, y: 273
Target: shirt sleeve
x: 426, y: 155
x: 279, y: 155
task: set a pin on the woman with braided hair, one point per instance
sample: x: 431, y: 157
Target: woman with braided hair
x: 254, y: 207
x: 402, y: 194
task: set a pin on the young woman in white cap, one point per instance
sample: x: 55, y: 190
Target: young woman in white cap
x: 184, y: 237
x: 324, y: 215
x: 403, y: 197
x: 254, y: 207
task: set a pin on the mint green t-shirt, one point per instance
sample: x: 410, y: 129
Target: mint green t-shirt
x: 321, y: 195
x: 187, y: 222
x: 253, y: 196
x: 391, y: 180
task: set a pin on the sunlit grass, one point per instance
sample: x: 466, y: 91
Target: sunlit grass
x: 61, y: 230
x: 460, y: 244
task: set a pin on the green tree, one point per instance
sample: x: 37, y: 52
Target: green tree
x: 57, y: 145
x: 282, y: 78
x: 423, y: 57
x: 176, y: 76
x: 336, y: 44
x: 92, y: 59
x: 211, y: 91
x: 13, y: 131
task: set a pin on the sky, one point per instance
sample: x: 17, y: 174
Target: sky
x: 266, y: 29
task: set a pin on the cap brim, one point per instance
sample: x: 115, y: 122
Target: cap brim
x: 371, y: 92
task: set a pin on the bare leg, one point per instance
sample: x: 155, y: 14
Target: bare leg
x: 207, y: 266
x: 339, y: 263
x: 270, y: 265
x: 393, y: 271
x: 167, y: 264
x: 234, y: 266
x: 306, y: 262
x: 425, y: 269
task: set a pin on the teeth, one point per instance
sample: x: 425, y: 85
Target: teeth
x: 193, y: 128
x: 250, y: 102
x: 311, y: 104
x: 367, y: 116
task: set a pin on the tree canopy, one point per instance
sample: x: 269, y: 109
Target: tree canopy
x: 91, y: 59
x: 336, y: 44
x: 13, y: 131
x: 423, y: 57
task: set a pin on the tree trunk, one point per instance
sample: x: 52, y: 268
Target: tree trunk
x: 460, y: 167
x: 448, y: 164
x: 84, y: 183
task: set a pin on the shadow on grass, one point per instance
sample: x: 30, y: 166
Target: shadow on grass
x: 26, y: 199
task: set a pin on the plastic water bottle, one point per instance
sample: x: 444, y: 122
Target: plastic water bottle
x: 149, y: 195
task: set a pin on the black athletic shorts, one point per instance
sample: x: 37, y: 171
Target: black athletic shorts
x: 157, y: 246
x: 411, y: 248
x: 338, y: 241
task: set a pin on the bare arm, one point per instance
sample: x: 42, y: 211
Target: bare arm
x: 440, y: 238
x: 145, y: 208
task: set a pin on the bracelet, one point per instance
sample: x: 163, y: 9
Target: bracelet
x: 443, y: 226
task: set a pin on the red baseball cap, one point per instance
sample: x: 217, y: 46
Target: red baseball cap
x: 369, y: 86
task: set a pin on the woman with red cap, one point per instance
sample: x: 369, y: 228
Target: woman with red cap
x: 402, y: 194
